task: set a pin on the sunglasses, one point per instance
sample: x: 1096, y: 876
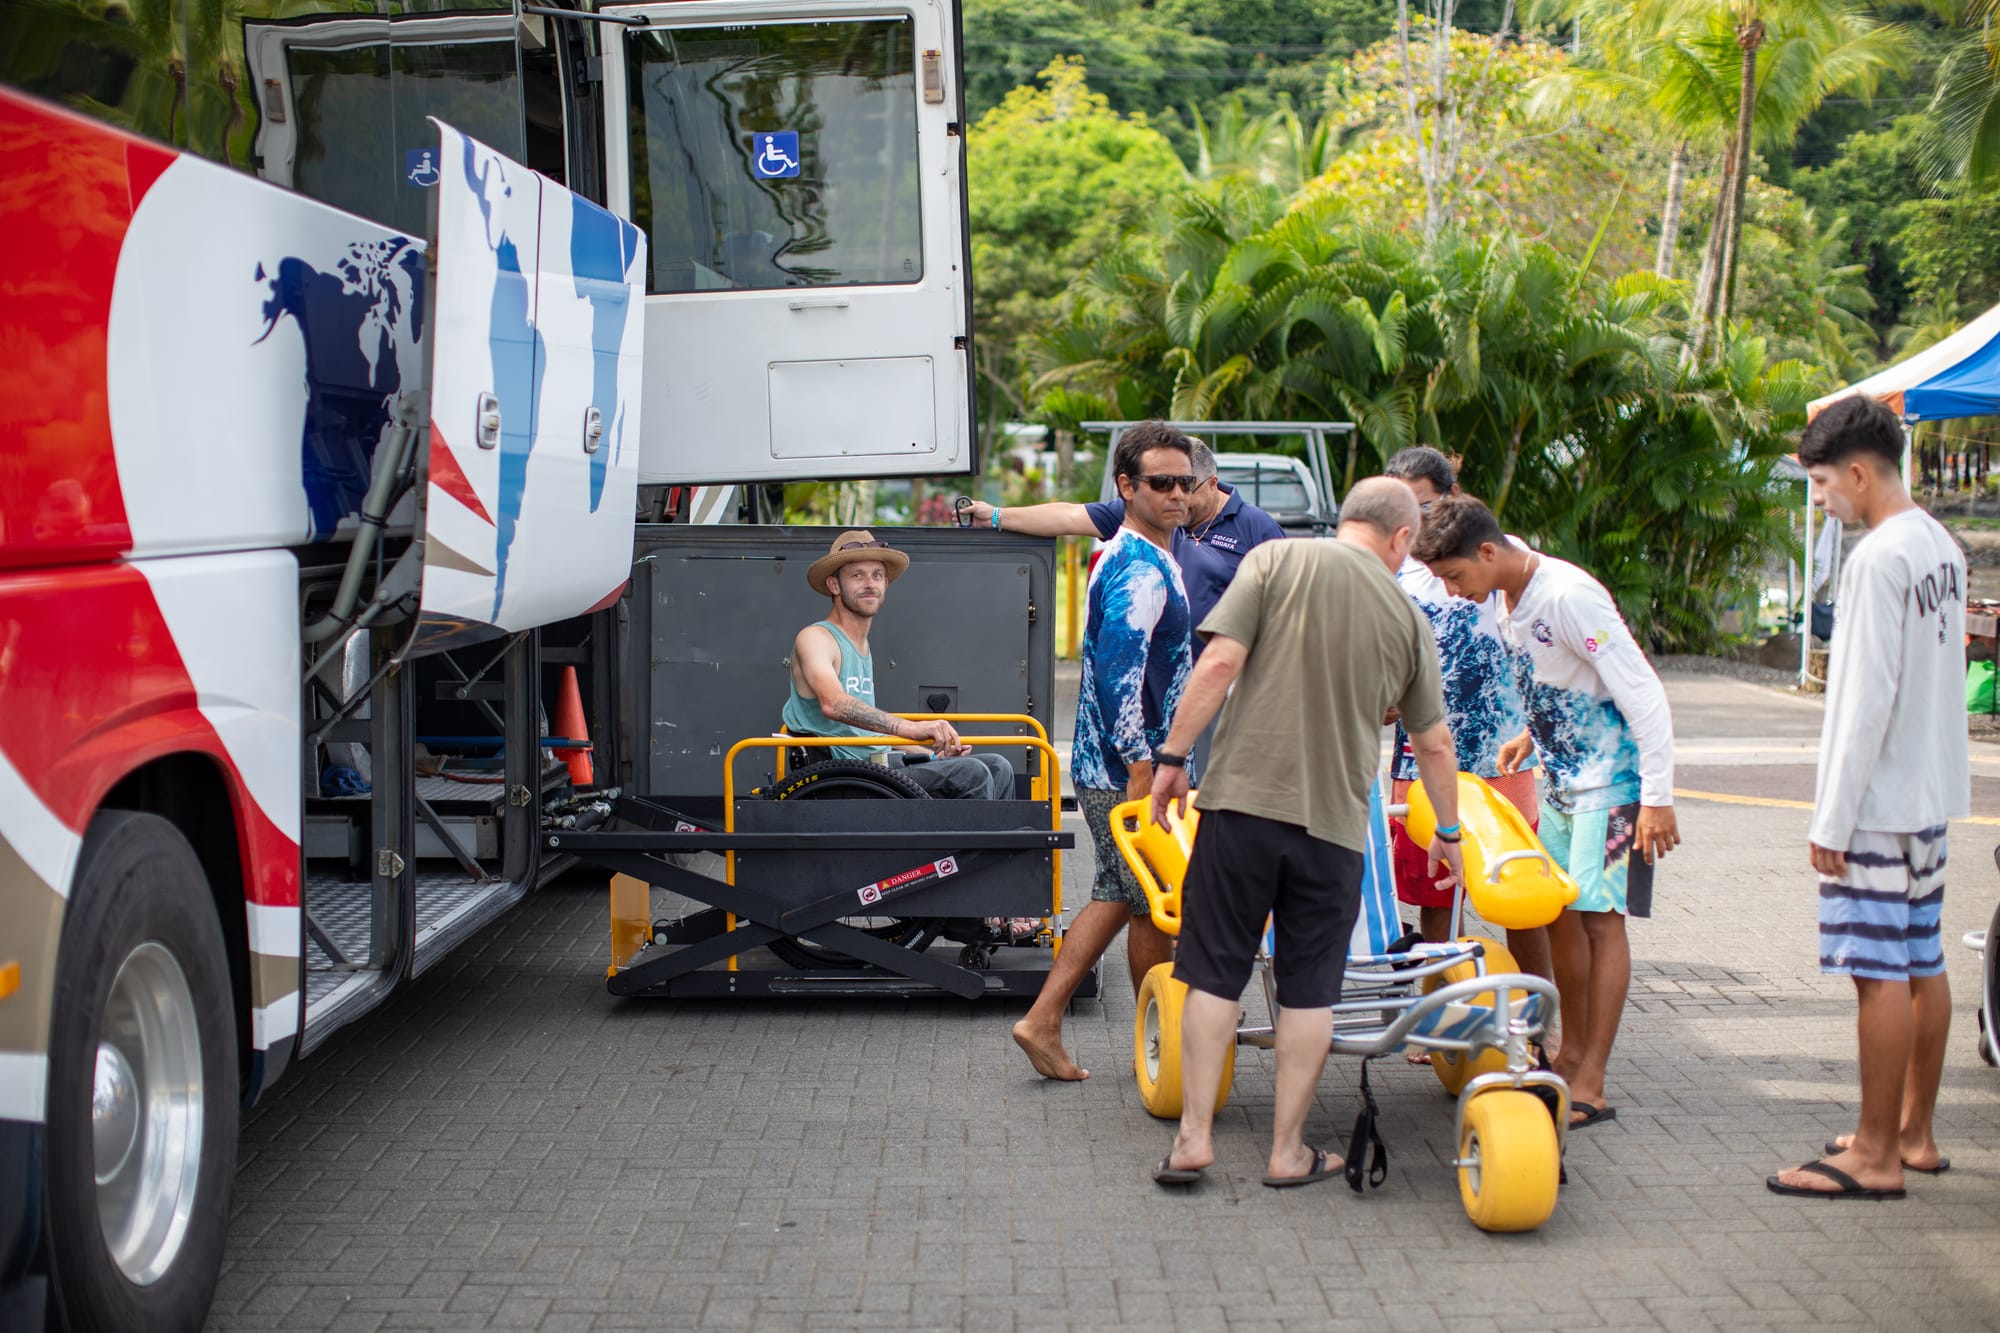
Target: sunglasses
x: 1164, y: 482
x: 862, y: 546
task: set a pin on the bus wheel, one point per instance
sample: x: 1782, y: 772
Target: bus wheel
x: 142, y: 1097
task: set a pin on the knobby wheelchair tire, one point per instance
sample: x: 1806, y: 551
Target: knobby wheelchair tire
x: 850, y: 780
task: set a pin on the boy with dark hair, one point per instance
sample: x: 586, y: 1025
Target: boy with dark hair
x: 1893, y: 771
x: 1598, y: 718
x: 1136, y: 657
x: 1482, y: 701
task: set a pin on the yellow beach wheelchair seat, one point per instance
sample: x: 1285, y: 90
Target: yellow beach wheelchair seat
x: 1464, y: 1002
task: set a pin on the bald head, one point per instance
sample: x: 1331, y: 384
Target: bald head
x: 1381, y: 515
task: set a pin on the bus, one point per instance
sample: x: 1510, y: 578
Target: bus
x: 345, y: 342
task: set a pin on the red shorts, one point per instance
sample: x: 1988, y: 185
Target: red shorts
x: 1412, y: 863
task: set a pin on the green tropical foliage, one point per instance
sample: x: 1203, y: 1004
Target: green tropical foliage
x: 1604, y: 257
x: 1565, y: 394
x: 1054, y: 175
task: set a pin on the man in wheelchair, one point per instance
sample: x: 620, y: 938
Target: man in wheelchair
x: 833, y: 683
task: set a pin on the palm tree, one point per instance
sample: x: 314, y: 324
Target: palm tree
x: 1966, y: 103
x: 1566, y: 394
x: 1720, y: 74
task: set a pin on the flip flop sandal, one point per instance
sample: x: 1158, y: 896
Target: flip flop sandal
x: 1592, y: 1114
x: 1166, y: 1173
x: 1834, y: 1148
x: 1320, y: 1171
x: 1850, y: 1188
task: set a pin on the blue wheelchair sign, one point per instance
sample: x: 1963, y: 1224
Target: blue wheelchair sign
x: 420, y: 167
x: 774, y: 154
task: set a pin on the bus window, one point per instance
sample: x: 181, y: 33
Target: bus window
x: 345, y: 100
x: 120, y: 65
x: 776, y: 155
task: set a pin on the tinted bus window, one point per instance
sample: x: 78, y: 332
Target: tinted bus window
x: 778, y: 155
x: 121, y: 65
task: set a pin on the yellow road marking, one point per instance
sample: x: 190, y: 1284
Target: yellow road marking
x: 1775, y: 803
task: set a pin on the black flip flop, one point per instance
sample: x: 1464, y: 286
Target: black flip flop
x: 1850, y: 1188
x: 1166, y: 1173
x: 1320, y: 1171
x: 1592, y: 1114
x: 1833, y: 1149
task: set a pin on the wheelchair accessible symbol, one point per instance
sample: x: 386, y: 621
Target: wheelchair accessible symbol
x: 776, y: 155
x: 420, y: 167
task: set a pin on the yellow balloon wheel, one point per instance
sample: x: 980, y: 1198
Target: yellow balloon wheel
x: 1509, y: 1165
x: 1156, y: 1045
x: 1455, y: 1069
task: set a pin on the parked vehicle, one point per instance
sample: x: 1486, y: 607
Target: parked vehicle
x: 1277, y: 484
x: 321, y: 446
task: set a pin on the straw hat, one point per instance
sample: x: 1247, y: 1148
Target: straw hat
x: 849, y: 547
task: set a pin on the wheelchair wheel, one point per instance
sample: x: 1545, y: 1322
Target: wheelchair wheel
x: 1156, y: 1045
x: 1989, y: 990
x: 1509, y: 1165
x: 1455, y: 1069
x: 851, y: 780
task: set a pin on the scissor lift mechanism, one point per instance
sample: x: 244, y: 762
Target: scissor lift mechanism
x: 799, y: 870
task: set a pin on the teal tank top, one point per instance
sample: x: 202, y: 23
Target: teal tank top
x: 857, y: 677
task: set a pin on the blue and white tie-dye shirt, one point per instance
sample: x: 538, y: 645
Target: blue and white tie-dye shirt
x: 1482, y: 692
x: 1596, y: 710
x: 1137, y: 654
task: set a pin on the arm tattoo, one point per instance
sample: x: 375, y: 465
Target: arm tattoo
x: 852, y: 711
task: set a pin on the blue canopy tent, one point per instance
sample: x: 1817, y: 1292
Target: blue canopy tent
x: 1956, y: 377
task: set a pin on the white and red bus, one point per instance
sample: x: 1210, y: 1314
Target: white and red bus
x: 340, y: 344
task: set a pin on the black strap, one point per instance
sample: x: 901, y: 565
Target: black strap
x: 1403, y: 943
x: 1364, y: 1141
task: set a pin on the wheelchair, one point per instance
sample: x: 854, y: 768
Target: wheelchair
x: 1465, y: 1002
x: 1986, y: 943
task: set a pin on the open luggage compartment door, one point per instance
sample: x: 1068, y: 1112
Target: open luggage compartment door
x: 796, y: 168
x: 533, y: 442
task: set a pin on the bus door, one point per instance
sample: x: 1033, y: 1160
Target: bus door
x: 796, y: 169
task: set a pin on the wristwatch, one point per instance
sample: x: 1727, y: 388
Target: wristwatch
x: 1168, y: 759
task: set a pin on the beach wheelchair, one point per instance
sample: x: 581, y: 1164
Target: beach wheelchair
x: 1465, y: 1002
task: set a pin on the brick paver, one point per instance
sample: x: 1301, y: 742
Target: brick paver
x: 506, y: 1146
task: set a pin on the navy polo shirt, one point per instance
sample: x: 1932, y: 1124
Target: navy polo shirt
x: 1209, y: 564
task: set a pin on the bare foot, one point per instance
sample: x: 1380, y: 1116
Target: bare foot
x: 1799, y: 1178
x: 1298, y: 1161
x: 1190, y: 1157
x: 1046, y: 1053
x: 1917, y: 1157
x: 1587, y: 1096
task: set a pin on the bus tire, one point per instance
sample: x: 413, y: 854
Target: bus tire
x: 143, y: 1086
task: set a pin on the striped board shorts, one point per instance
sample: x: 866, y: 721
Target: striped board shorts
x: 1880, y: 919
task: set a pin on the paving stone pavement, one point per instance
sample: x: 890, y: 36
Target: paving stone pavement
x: 506, y: 1145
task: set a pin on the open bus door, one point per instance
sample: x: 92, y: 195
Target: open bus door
x: 796, y: 169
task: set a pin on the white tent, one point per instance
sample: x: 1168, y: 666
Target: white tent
x: 1958, y: 377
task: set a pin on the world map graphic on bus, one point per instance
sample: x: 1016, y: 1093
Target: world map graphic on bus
x: 353, y: 318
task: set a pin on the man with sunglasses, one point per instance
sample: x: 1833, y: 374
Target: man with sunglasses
x: 833, y: 681
x: 1136, y: 660
x: 1222, y: 527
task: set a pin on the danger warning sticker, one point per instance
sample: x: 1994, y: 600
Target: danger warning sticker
x: 943, y: 868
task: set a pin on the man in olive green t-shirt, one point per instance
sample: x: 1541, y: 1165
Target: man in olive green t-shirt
x: 1318, y: 642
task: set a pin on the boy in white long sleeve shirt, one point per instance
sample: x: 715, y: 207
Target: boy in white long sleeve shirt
x: 1598, y: 719
x: 1893, y: 771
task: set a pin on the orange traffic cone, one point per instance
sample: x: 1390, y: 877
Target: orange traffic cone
x: 571, y: 726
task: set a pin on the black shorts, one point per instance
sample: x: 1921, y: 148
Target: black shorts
x: 1246, y: 867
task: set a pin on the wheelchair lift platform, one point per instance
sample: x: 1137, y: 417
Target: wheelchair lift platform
x: 818, y: 906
